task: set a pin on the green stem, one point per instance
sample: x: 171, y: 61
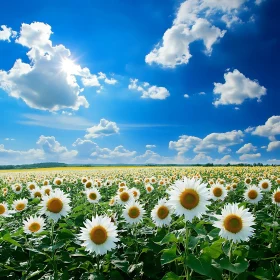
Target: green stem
x: 230, y: 256
x: 186, y: 245
x: 53, y: 251
x: 274, y: 229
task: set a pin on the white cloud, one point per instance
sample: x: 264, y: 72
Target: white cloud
x: 194, y: 22
x: 274, y: 145
x: 64, y: 121
x: 186, y: 96
x: 249, y: 129
x: 153, y: 92
x: 103, y: 76
x: 269, y: 129
x: 216, y: 140
x: 184, y: 143
x: 223, y: 160
x: 249, y: 156
x: 49, y: 81
x: 202, y: 93
x: 150, y: 146
x: 247, y: 148
x: 273, y: 161
x: 258, y: 2
x: 53, y: 148
x: 104, y: 128
x: 236, y: 89
x: 6, y: 33
x: 9, y: 139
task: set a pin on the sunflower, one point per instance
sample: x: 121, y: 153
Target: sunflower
x: 133, y: 212
x: 112, y: 201
x: 56, y: 205
x: 235, y: 223
x: 135, y: 192
x: 253, y: 194
x: 37, y: 193
x: 20, y: 204
x: 46, y: 189
x: 17, y: 188
x: 93, y: 195
x: 125, y: 197
x: 99, y: 235
x: 58, y: 181
x: 161, y: 214
x: 276, y: 197
x: 88, y: 184
x: 149, y: 188
x: 189, y: 197
x: 248, y: 181
x: 4, y: 211
x: 33, y: 225
x: 31, y: 186
x: 265, y: 185
x: 218, y: 192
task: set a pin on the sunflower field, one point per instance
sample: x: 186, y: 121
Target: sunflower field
x: 140, y: 223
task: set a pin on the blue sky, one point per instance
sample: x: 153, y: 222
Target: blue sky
x: 140, y: 81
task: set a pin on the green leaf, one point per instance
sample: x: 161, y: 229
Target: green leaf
x: 203, y: 266
x: 215, y: 250
x: 169, y: 255
x: 9, y: 239
x: 170, y: 237
x: 240, y: 266
x: 65, y: 234
x: 170, y: 276
x: 115, y: 275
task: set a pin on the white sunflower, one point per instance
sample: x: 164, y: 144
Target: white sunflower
x: 149, y: 188
x: 218, y: 192
x: 17, y: 188
x: 46, y: 189
x: 133, y: 212
x: 276, y: 197
x: 4, y: 211
x: 189, y: 197
x: 235, y: 223
x: 125, y: 197
x: 93, y: 195
x: 56, y: 205
x: 161, y: 214
x: 31, y: 186
x: 37, y: 193
x: 20, y: 204
x: 58, y: 181
x: 135, y: 192
x: 99, y: 235
x: 253, y: 194
x: 265, y: 185
x: 33, y: 225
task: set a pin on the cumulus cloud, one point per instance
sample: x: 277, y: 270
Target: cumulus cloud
x: 236, y: 89
x: 49, y: 81
x: 269, y: 129
x: 9, y: 139
x: 6, y: 33
x: 104, y: 128
x: 249, y: 157
x: 274, y: 145
x: 218, y: 140
x: 194, y: 22
x: 186, y: 96
x: 148, y: 91
x: 150, y: 146
x: 273, y: 161
x: 184, y: 143
x: 247, y: 148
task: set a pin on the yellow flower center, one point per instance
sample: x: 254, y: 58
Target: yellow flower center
x: 92, y: 196
x: 54, y: 205
x: 47, y: 191
x: 18, y: 188
x: 34, y: 227
x: 277, y: 197
x: 31, y: 187
x: 84, y: 180
x: 248, y: 181
x: 37, y: 194
x: 264, y: 185
x: 20, y: 206
x: 162, y: 212
x: 58, y: 182
x: 135, y: 193
x: 121, y: 189
x: 124, y: 196
x: 233, y: 223
x: 149, y: 189
x: 189, y: 199
x: 88, y: 184
x: 2, y: 209
x: 252, y: 194
x: 46, y: 183
x: 133, y: 212
x: 98, y: 235
x: 153, y: 180
x: 217, y: 192
x: 122, y: 184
